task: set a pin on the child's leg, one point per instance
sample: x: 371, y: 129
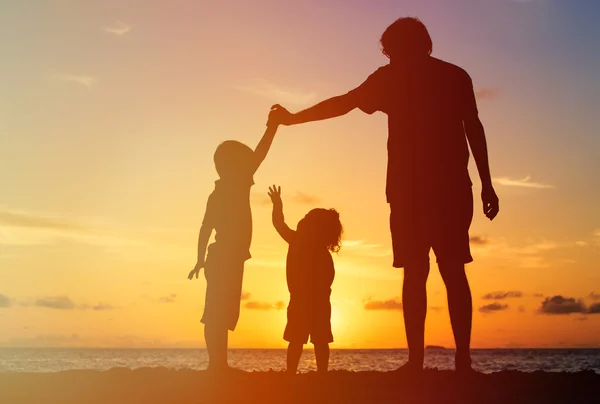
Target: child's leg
x: 322, y: 356
x: 216, y: 345
x: 294, y: 353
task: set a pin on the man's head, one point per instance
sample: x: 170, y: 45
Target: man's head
x: 233, y: 160
x: 406, y: 37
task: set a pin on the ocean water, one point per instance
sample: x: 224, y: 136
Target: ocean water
x: 484, y: 360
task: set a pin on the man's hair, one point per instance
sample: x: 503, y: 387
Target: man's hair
x: 406, y: 37
x: 232, y: 159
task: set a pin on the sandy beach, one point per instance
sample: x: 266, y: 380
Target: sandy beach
x: 159, y: 385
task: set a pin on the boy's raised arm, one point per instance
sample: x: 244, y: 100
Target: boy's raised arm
x: 265, y: 144
x: 278, y: 220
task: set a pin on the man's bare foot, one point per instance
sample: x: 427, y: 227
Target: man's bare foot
x: 410, y: 368
x: 463, y: 363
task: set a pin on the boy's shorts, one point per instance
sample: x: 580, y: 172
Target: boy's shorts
x: 443, y: 224
x: 308, y: 318
x: 224, y: 275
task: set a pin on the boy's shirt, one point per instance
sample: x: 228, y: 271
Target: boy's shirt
x: 228, y: 212
x: 309, y: 270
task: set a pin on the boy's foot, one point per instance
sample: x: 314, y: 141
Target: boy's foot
x: 410, y: 368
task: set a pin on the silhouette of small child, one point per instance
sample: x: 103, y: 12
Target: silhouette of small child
x: 228, y: 212
x: 310, y: 273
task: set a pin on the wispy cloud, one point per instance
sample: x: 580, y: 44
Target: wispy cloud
x: 524, y: 182
x: 478, y: 240
x: 17, y: 219
x: 305, y: 199
x: 118, y: 29
x: 55, y: 302
x: 503, y: 295
x: 61, y: 302
x: 277, y: 94
x: 5, y: 301
x: 255, y: 305
x: 168, y: 299
x: 33, y: 228
x: 98, y: 307
x: 487, y: 93
x: 594, y: 309
x: 299, y: 198
x: 83, y: 79
x: 493, y: 307
x: 245, y: 296
x: 594, y: 296
x: 530, y: 255
x: 391, y: 304
x: 560, y: 305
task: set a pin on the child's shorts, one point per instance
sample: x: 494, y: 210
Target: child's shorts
x: 224, y: 275
x: 308, y: 318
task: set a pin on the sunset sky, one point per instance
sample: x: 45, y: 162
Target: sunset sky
x: 110, y: 112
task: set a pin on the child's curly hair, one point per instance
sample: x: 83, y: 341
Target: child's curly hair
x: 327, y: 225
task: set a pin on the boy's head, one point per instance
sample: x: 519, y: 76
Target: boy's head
x: 406, y: 38
x: 233, y: 160
x: 323, y: 227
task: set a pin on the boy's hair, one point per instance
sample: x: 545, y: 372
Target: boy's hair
x: 406, y: 37
x: 327, y: 224
x: 232, y: 159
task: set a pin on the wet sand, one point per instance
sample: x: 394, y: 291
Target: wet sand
x: 159, y: 385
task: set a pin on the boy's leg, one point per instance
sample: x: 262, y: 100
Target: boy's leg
x: 216, y: 345
x: 461, y: 310
x: 414, y: 303
x: 294, y: 352
x: 322, y: 356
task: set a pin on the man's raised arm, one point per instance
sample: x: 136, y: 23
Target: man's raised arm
x: 330, y: 108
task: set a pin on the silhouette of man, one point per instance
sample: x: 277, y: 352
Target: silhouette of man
x: 432, y: 114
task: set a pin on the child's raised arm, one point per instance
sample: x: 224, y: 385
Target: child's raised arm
x: 265, y: 143
x: 205, y: 233
x: 278, y: 221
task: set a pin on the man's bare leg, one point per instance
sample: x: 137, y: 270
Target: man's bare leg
x: 460, y: 307
x: 414, y: 302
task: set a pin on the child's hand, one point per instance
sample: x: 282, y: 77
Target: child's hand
x: 196, y: 270
x: 279, y: 116
x: 275, y: 195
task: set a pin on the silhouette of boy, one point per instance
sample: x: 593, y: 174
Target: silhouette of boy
x: 432, y: 114
x: 228, y: 212
x: 310, y: 273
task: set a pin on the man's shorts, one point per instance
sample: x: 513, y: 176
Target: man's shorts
x: 308, y: 317
x: 418, y: 224
x: 224, y: 275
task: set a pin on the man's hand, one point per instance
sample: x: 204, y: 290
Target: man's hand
x: 490, y: 201
x: 196, y: 270
x: 275, y: 195
x: 279, y: 116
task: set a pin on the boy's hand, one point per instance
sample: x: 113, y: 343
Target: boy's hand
x: 275, y: 195
x: 491, y: 205
x: 196, y: 270
x: 279, y: 116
